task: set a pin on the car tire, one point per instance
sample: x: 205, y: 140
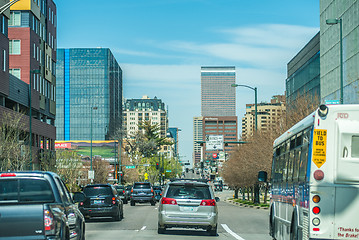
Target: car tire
x: 161, y: 230
x: 117, y: 217
x: 212, y: 231
x: 153, y: 203
x: 121, y: 214
x: 133, y: 203
x: 125, y: 201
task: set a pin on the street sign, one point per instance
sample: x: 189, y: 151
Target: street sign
x: 129, y: 167
x: 168, y: 170
x: 146, y: 176
x: 332, y: 102
x: 91, y: 174
x: 146, y: 165
x: 214, y: 142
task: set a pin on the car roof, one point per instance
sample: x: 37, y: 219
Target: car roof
x: 198, y: 182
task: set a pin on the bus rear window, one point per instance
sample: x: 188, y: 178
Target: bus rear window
x: 355, y: 147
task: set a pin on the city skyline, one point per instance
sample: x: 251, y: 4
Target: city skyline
x: 161, y: 52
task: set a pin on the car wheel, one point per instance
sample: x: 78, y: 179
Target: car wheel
x: 117, y: 217
x: 125, y: 201
x: 153, y: 203
x: 212, y: 231
x: 121, y: 215
x: 133, y: 203
x: 161, y: 230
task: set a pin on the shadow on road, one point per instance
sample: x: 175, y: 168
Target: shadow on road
x: 185, y: 232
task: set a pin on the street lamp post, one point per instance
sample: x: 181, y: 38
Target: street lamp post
x: 255, y: 101
x: 333, y: 22
x: 92, y: 108
x: 34, y: 71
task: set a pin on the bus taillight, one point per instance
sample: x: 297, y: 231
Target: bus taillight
x: 316, y: 210
x: 318, y: 175
x: 316, y: 198
x: 316, y: 221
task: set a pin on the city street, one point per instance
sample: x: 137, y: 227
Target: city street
x: 140, y: 222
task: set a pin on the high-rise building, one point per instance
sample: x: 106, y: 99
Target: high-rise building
x: 197, y: 138
x: 136, y: 111
x: 268, y: 116
x: 218, y: 98
x: 28, y: 60
x: 88, y: 94
x: 347, y: 13
x: 222, y: 126
x: 303, y: 74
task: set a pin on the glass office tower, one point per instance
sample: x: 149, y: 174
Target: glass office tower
x: 89, y: 89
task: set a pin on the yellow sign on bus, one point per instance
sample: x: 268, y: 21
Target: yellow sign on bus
x: 319, y: 147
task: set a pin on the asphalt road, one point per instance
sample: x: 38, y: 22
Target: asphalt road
x: 140, y: 223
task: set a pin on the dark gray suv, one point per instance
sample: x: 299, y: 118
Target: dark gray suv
x: 142, y: 192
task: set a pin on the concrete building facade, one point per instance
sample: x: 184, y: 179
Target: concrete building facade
x: 197, y: 137
x: 268, y: 116
x: 145, y: 109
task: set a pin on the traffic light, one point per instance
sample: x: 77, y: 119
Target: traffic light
x: 157, y: 165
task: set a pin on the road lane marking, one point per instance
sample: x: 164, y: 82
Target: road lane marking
x: 143, y: 228
x: 231, y: 232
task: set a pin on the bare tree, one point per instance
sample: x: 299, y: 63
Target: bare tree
x: 69, y: 166
x: 14, y: 147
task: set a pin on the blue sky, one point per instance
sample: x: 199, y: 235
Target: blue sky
x: 161, y: 45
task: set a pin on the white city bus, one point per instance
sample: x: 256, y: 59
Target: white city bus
x: 315, y: 177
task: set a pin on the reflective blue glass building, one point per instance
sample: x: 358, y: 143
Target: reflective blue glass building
x: 88, y: 87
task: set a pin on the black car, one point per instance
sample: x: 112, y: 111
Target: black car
x: 121, y: 193
x: 101, y: 201
x: 142, y: 192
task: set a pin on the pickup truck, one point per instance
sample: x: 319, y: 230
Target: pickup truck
x: 37, y: 205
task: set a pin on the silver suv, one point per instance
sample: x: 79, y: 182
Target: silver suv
x: 188, y: 203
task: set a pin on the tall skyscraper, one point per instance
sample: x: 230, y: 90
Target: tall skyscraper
x: 88, y: 94
x: 218, y: 98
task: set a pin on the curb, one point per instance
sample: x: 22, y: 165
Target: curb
x: 245, y: 205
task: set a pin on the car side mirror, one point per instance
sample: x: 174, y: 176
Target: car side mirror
x: 217, y: 199
x: 78, y: 197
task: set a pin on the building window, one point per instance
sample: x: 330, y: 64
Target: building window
x: 15, y: 19
x: 4, y: 60
x: 14, y: 47
x: 16, y: 72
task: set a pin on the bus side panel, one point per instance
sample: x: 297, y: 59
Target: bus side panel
x: 346, y: 213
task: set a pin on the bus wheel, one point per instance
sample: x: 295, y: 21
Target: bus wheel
x: 272, y: 224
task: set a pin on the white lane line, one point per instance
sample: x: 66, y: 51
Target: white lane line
x: 143, y: 228
x: 231, y: 232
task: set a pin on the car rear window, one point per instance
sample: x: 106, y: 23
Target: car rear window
x: 142, y: 185
x: 25, y: 190
x: 97, y: 190
x: 188, y: 191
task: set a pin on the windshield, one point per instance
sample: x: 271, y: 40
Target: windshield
x: 190, y: 192
x: 25, y: 190
x: 97, y: 190
x: 142, y: 185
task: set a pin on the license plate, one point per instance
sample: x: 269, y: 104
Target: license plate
x: 98, y: 201
x: 189, y: 209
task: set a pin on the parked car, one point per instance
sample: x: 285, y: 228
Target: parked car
x: 37, y: 205
x: 142, y: 192
x: 188, y: 204
x: 101, y: 200
x: 121, y: 193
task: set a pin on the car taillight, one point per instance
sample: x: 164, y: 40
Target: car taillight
x: 151, y: 190
x: 8, y: 175
x: 123, y: 191
x: 170, y: 201
x: 48, y: 220
x: 132, y: 190
x: 113, y: 199
x: 81, y: 203
x: 208, y: 202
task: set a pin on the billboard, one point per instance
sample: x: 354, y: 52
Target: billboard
x: 214, y: 142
